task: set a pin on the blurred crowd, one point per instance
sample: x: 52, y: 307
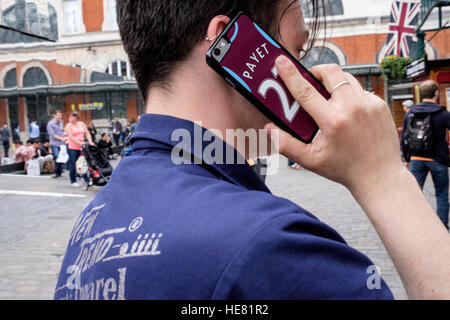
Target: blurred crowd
x: 57, y: 146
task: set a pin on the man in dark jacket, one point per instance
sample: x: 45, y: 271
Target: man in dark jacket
x: 117, y: 130
x: 5, y: 136
x: 435, y: 161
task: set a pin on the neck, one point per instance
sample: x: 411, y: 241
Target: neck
x: 197, y: 94
x: 430, y: 100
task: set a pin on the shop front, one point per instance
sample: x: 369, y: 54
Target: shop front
x: 98, y: 103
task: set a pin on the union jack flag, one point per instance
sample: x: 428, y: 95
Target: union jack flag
x: 404, y: 18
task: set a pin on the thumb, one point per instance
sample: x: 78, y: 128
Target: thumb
x: 286, y: 144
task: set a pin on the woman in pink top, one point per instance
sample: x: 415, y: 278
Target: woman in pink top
x: 78, y: 134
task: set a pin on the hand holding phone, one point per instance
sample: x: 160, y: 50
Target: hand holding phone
x: 244, y: 55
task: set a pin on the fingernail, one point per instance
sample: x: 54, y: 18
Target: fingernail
x: 283, y: 61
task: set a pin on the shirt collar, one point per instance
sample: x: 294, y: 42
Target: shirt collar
x: 166, y: 133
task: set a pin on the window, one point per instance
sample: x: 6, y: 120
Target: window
x: 332, y: 8
x: 320, y: 55
x: 39, y: 19
x: 110, y: 15
x: 120, y: 69
x: 10, y: 80
x: 37, y: 104
x: 34, y: 77
x: 72, y: 16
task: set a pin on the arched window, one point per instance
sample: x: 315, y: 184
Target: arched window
x: 333, y: 8
x: 33, y: 77
x: 37, y: 104
x: 320, y: 55
x: 121, y: 69
x: 29, y: 17
x: 10, y: 80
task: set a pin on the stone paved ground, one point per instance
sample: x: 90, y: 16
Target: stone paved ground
x: 334, y: 205
x: 34, y: 230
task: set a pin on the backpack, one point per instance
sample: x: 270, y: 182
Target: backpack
x: 419, y: 134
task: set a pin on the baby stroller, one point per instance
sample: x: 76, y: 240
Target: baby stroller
x: 99, y: 168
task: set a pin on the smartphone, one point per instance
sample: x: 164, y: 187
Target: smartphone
x: 244, y: 55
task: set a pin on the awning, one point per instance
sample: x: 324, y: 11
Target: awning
x: 58, y: 90
x: 363, y: 70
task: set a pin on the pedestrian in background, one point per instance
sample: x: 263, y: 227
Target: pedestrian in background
x: 93, y: 131
x: 407, y: 105
x: 133, y: 125
x: 5, y: 136
x: 293, y: 165
x: 56, y: 136
x: 105, y: 146
x: 33, y: 130
x: 425, y: 145
x: 16, y: 133
x: 78, y: 134
x: 117, y: 130
x: 21, y: 154
x: 41, y: 154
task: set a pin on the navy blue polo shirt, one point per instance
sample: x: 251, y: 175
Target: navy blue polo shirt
x: 163, y: 230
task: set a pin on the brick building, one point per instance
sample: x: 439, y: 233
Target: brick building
x: 356, y: 39
x: 85, y: 67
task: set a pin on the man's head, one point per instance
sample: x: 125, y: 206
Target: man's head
x: 429, y: 90
x: 5, y: 125
x: 158, y: 35
x: 18, y: 143
x: 58, y: 115
x: 407, y: 105
x: 30, y: 142
x: 105, y: 137
x: 36, y: 143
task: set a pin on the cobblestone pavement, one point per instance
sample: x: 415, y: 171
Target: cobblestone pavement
x: 335, y: 206
x: 34, y: 230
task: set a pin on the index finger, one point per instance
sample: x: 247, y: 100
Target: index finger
x: 308, y: 97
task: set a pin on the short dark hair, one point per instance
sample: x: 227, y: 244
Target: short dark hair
x: 56, y: 112
x: 18, y: 142
x: 159, y: 34
x: 428, y: 89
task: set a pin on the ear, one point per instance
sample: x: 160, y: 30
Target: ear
x: 216, y: 26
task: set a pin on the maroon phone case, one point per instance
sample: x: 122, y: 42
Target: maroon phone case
x: 250, y: 64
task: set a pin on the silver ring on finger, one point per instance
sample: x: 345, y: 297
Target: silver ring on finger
x: 343, y: 83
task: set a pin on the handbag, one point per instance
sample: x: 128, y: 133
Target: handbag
x: 82, y: 166
x: 63, y: 156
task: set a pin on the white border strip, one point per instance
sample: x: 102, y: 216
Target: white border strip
x: 24, y: 176
x: 40, y: 194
